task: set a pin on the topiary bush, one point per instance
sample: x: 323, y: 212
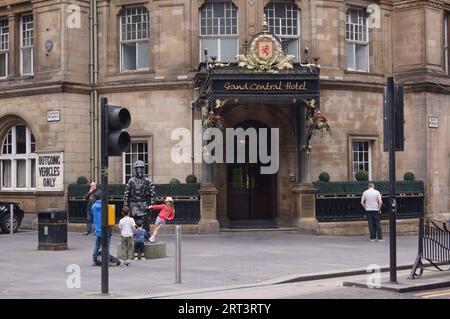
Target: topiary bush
x: 191, y: 179
x: 82, y: 180
x: 362, y: 175
x: 174, y: 182
x: 324, y: 177
x: 409, y: 176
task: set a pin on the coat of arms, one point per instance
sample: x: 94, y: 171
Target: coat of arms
x: 265, y: 54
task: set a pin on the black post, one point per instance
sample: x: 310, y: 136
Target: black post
x: 104, y: 181
x: 392, y: 202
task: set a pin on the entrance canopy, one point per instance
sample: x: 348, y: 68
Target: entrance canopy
x: 231, y: 84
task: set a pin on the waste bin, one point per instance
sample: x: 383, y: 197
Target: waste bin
x: 52, y: 229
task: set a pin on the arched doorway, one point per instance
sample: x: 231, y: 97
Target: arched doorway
x: 251, y: 195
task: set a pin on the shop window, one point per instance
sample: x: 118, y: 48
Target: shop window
x: 134, y: 39
x: 18, y: 160
x: 4, y: 47
x: 357, y: 40
x: 219, y: 31
x: 283, y: 21
x: 26, y: 44
x: 138, y: 151
x: 361, y: 157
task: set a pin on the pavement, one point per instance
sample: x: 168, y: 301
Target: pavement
x: 209, y: 263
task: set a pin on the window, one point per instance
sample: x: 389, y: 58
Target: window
x: 282, y: 20
x: 357, y: 40
x: 361, y: 157
x: 18, y: 159
x: 446, y: 42
x: 138, y: 151
x: 134, y: 39
x: 219, y: 31
x: 4, y: 47
x: 26, y: 44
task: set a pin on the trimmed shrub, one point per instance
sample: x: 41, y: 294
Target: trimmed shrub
x: 82, y: 180
x: 324, y: 177
x: 174, y: 182
x: 362, y: 176
x: 191, y: 179
x: 409, y: 176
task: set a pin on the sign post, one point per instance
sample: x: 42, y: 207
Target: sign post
x: 393, y: 141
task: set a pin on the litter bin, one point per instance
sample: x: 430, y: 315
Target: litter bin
x: 52, y: 229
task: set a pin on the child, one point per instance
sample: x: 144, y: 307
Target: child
x: 167, y: 212
x: 139, y: 237
x: 127, y: 227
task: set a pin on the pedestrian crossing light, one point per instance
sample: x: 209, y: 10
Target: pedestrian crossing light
x: 118, y: 141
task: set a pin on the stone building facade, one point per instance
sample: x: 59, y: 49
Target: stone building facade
x: 62, y: 56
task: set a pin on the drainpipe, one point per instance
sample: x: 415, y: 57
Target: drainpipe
x: 93, y: 71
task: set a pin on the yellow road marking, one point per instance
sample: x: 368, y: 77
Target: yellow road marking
x: 431, y: 294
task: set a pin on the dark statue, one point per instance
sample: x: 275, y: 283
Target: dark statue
x: 139, y: 194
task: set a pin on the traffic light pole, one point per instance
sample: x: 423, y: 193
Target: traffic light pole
x: 104, y: 182
x: 392, y: 203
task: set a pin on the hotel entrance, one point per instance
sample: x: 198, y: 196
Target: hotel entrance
x: 251, y: 195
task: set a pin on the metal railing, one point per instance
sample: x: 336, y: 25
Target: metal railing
x: 332, y: 208
x: 434, y: 245
x: 187, y: 209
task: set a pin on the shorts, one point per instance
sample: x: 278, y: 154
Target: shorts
x: 159, y: 221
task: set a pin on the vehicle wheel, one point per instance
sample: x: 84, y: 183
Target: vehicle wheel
x: 6, y: 223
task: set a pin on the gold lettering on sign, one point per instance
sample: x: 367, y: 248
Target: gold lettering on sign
x: 267, y: 86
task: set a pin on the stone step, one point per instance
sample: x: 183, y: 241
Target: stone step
x: 151, y: 250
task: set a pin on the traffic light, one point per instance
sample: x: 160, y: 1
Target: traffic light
x: 393, y: 98
x: 116, y: 119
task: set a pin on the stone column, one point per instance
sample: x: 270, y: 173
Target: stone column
x: 208, y: 223
x: 306, y: 209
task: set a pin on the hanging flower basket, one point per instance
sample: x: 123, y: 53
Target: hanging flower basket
x: 212, y: 120
x: 315, y: 122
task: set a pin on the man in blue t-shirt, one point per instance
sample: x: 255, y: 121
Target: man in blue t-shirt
x: 97, y: 219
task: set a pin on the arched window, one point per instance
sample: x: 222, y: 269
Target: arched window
x: 219, y: 31
x: 18, y: 159
x: 134, y: 39
x: 283, y: 21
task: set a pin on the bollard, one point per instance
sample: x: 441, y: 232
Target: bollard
x: 178, y: 255
x: 11, y: 220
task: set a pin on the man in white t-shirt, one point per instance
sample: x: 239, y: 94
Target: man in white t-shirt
x: 372, y: 202
x: 127, y: 227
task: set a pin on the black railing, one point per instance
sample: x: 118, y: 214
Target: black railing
x: 434, y: 245
x: 331, y: 208
x: 187, y: 209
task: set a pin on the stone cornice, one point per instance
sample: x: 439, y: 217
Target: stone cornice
x: 352, y: 85
x: 43, y: 88
x: 121, y: 87
x: 409, y: 4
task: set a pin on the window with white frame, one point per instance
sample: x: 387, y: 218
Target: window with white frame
x: 4, y: 47
x: 219, y: 31
x: 357, y: 40
x: 18, y: 159
x: 138, y: 152
x: 361, y: 157
x: 26, y: 44
x: 282, y: 19
x: 134, y: 39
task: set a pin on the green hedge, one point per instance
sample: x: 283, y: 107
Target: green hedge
x: 117, y: 190
x: 358, y: 187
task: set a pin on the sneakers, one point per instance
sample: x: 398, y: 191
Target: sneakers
x: 152, y: 239
x: 372, y: 239
x: 135, y: 258
x: 143, y: 258
x: 381, y: 239
x: 126, y: 263
x: 86, y: 233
